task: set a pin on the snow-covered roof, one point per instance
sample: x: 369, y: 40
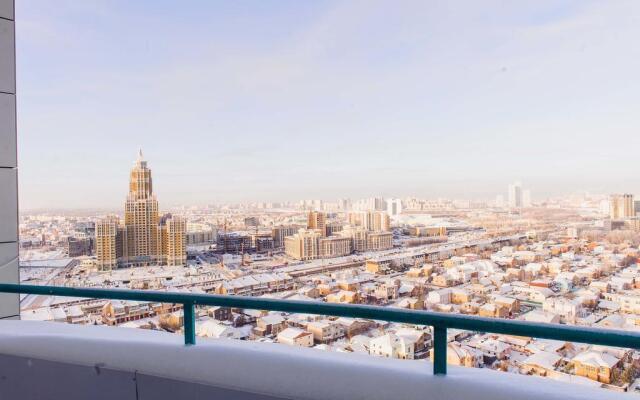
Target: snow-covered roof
x: 543, y: 359
x: 292, y: 333
x: 596, y: 359
x: 272, y: 319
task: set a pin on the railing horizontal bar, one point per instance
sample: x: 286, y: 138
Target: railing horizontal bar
x: 568, y: 333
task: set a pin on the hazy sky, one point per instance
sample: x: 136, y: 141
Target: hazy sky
x: 274, y: 100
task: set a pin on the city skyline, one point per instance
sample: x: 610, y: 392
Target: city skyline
x: 378, y: 100
x: 378, y: 193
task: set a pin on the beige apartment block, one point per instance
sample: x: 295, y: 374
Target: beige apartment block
x: 279, y: 233
x: 317, y: 220
x: 303, y: 245
x: 174, y: 241
x: 370, y: 220
x: 107, y: 245
x: 379, y: 241
x: 334, y: 246
x: 621, y: 206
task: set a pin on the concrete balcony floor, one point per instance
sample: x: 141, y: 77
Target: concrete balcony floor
x: 41, y: 360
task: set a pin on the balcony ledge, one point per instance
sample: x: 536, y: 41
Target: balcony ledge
x: 245, y: 370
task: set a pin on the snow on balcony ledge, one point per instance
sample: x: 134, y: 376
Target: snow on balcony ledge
x: 271, y: 369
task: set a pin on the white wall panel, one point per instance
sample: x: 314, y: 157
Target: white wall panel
x: 8, y: 205
x: 6, y: 9
x: 8, y: 130
x: 7, y: 57
x: 9, y: 303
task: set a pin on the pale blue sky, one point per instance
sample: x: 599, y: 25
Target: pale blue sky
x: 274, y: 100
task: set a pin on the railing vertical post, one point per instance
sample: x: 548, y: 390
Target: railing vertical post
x: 439, y: 350
x: 189, y: 323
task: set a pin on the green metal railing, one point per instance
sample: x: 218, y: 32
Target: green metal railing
x: 439, y: 321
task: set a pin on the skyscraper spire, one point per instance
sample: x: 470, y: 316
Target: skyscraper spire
x: 140, y: 182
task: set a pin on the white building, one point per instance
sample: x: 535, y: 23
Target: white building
x: 515, y: 195
x: 567, y: 309
x: 392, y: 346
x: 394, y: 207
x: 213, y: 329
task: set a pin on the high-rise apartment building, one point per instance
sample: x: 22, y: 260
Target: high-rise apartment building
x: 143, y: 238
x: 309, y: 244
x: 303, y: 245
x: 621, y: 206
x: 317, y: 220
x: 251, y: 222
x: 141, y: 217
x: 364, y: 240
x: 370, y: 204
x: 278, y: 233
x: 358, y: 236
x: 344, y: 204
x: 200, y: 234
x: 174, y: 241
x: 394, y: 207
x: 108, y: 243
x: 334, y: 246
x: 515, y: 195
x: 379, y: 241
x: 79, y: 246
x: 370, y: 220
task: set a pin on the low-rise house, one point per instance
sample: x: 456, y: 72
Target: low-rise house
x: 411, y: 303
x: 75, y: 315
x: 219, y: 313
x: 493, y: 310
x: 462, y: 355
x: 296, y: 337
x: 117, y: 312
x: 512, y: 305
x: 353, y: 327
x: 392, y: 346
x: 567, y: 309
x: 442, y: 296
x: 421, y: 272
x: 420, y: 338
x: 469, y: 308
x: 360, y: 344
x: 542, y: 316
x: 492, y: 348
x: 343, y: 296
x: 595, y: 365
x: 270, y: 324
x: 542, y: 363
x: 614, y: 321
x: 256, y: 285
x: 325, y: 331
x: 386, y: 292
x: 216, y: 330
x: 443, y: 281
x: 629, y: 301
x: 460, y: 296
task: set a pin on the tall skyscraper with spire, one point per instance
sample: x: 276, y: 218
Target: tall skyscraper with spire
x: 141, y: 217
x: 143, y: 238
